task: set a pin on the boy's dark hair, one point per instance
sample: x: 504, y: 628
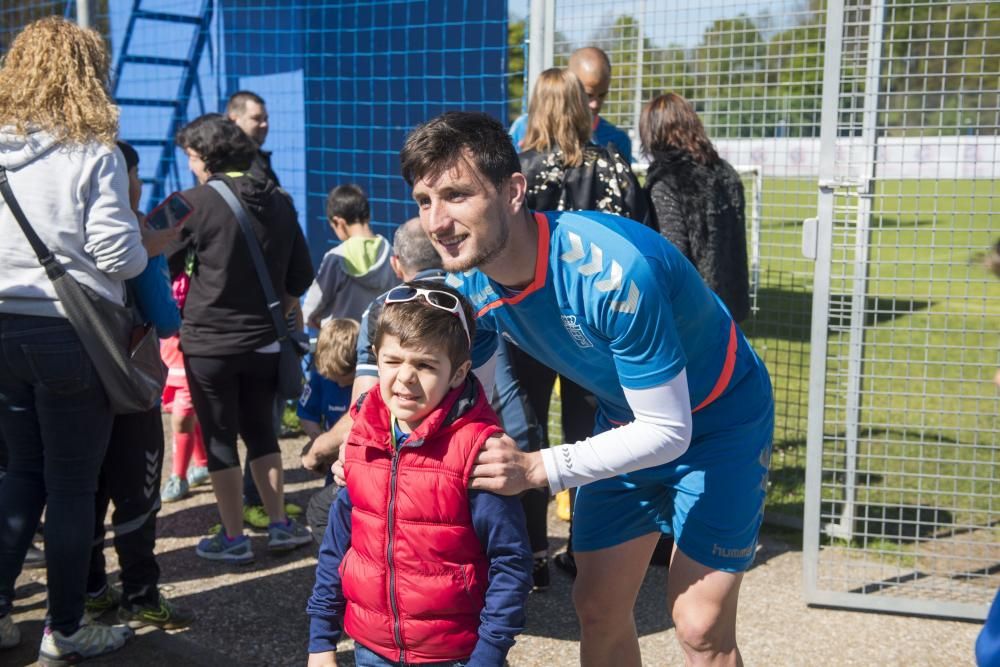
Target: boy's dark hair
x: 129, y: 153
x: 420, y: 325
x: 437, y: 145
x: 219, y: 142
x: 348, y: 202
x: 237, y: 103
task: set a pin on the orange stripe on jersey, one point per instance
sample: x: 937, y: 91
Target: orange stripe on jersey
x: 541, y: 268
x: 727, y: 370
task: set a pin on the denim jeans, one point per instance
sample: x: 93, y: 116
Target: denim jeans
x: 56, y: 421
x: 366, y: 658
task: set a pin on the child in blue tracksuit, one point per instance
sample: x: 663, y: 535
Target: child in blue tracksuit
x: 130, y: 475
x: 327, y: 395
x: 325, y: 399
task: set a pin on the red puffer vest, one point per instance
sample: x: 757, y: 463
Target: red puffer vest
x: 416, y: 574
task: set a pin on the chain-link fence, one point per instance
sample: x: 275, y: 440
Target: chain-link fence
x: 904, y: 471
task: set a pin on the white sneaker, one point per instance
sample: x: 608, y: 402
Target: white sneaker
x: 10, y: 635
x: 90, y: 641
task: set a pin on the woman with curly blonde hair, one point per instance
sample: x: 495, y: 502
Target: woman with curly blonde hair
x: 57, y: 153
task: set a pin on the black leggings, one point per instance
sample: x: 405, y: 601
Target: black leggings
x: 234, y: 395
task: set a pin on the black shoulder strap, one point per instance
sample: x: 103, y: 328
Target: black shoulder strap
x: 45, y: 257
x: 273, y: 302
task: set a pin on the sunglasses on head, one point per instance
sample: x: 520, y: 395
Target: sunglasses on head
x: 439, y: 299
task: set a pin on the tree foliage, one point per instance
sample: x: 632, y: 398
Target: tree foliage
x: 516, y: 68
x: 940, y: 69
x: 15, y: 14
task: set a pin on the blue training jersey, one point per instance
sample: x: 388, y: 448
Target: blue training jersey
x: 323, y: 401
x: 612, y: 304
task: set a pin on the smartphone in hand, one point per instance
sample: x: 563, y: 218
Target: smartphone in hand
x: 173, y: 211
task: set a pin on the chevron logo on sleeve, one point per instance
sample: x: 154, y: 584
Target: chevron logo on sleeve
x: 629, y: 305
x: 612, y: 282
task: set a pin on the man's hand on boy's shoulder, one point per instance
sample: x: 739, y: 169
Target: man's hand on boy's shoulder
x: 502, y: 468
x: 325, y: 659
x: 338, y: 468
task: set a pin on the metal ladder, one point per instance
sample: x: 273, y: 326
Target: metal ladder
x: 188, y: 81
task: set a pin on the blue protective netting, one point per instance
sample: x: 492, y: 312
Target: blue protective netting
x: 343, y: 80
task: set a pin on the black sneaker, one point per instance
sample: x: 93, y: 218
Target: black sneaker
x: 566, y: 562
x: 161, y: 614
x: 540, y: 574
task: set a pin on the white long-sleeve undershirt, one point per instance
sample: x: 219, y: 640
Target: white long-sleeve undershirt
x: 660, y: 433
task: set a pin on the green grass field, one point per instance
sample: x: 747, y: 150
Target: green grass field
x: 928, y: 426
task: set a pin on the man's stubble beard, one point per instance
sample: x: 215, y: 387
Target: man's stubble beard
x: 484, y: 256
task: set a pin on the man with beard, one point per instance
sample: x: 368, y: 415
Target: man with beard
x: 686, y: 413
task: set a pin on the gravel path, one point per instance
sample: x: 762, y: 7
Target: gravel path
x: 254, y: 615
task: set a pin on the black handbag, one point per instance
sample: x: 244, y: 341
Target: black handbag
x: 293, y: 344
x: 124, y: 351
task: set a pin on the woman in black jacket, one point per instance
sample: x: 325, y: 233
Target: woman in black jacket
x: 228, y: 338
x: 697, y: 198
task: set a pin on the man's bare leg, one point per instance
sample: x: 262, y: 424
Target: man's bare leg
x: 604, y: 594
x: 702, y: 602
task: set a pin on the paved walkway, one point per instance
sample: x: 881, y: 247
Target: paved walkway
x: 255, y: 615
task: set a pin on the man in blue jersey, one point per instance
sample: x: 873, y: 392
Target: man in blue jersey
x: 592, y: 67
x: 685, y: 407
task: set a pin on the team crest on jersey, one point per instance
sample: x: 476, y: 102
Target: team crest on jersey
x: 575, y: 331
x: 306, y: 393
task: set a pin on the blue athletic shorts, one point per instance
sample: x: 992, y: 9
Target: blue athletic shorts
x: 711, y: 499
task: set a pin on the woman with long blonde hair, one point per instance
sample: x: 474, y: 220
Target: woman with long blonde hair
x: 57, y: 131
x: 565, y: 170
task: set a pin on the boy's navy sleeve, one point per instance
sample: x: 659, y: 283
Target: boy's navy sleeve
x: 310, y: 405
x: 499, y: 524
x: 367, y: 363
x: 154, y: 299
x: 326, y: 604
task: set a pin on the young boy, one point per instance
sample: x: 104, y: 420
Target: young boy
x: 357, y: 270
x: 425, y: 571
